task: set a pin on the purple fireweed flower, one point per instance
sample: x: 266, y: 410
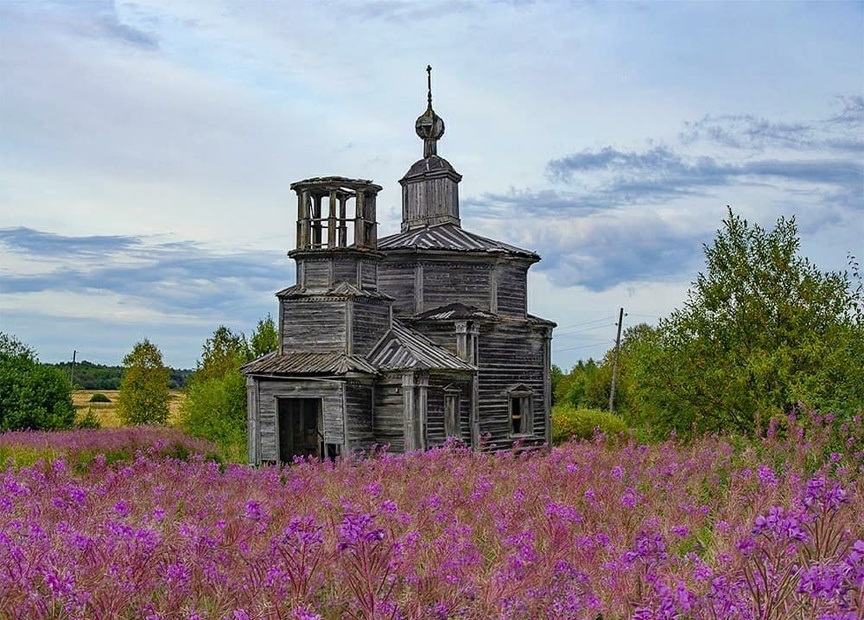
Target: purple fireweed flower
x: 766, y: 476
x: 649, y: 547
x: 122, y: 508
x: 357, y: 529
x: 565, y: 513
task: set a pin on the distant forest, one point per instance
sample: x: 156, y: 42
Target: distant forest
x: 89, y: 376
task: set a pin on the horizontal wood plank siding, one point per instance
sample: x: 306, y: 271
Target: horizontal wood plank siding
x: 358, y: 421
x: 449, y: 282
x: 397, y: 280
x: 317, y: 326
x: 511, y: 353
x: 316, y: 273
x: 369, y: 276
x: 371, y: 322
x: 435, y: 416
x: 512, y: 287
x: 345, y: 270
x: 390, y: 413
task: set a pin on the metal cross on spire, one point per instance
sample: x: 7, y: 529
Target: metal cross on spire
x: 429, y: 84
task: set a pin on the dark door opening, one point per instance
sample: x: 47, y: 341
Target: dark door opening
x: 299, y: 425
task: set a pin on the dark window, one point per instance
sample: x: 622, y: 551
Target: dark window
x: 520, y: 414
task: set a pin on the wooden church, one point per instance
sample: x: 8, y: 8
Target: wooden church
x: 406, y: 340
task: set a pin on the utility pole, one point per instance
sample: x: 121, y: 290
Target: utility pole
x: 72, y: 371
x: 615, y: 362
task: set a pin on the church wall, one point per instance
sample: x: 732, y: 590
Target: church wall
x: 397, y: 280
x: 389, y: 423
x: 512, y: 290
x: 453, y: 281
x: 358, y: 414
x: 430, y: 199
x: 510, y: 354
x: 313, y: 326
x: 315, y: 273
x: 370, y: 321
x: 369, y: 275
x: 345, y: 270
x: 435, y: 435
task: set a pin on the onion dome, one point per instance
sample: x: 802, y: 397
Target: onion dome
x: 429, y: 126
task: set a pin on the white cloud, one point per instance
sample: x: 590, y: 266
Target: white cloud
x: 188, y: 121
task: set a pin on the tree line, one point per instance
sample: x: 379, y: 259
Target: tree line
x: 89, y: 376
x: 761, y: 332
x: 39, y: 396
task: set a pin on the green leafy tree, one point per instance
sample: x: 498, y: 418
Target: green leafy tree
x: 32, y: 395
x: 144, y: 395
x: 215, y: 403
x: 762, y: 329
x: 265, y: 338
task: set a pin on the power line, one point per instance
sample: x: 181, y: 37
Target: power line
x: 584, y: 346
x: 605, y: 318
x: 582, y: 331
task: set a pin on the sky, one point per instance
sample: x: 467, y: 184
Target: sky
x: 147, y: 148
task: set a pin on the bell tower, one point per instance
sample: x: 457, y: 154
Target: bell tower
x: 430, y: 188
x: 337, y: 235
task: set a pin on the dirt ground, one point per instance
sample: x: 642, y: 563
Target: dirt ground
x: 107, y: 412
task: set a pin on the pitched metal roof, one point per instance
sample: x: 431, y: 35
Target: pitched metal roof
x: 455, y: 311
x: 341, y: 290
x: 308, y: 364
x: 403, y: 348
x: 450, y: 237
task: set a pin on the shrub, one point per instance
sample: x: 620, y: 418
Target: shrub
x: 32, y: 395
x: 88, y: 420
x: 569, y: 422
x: 99, y: 397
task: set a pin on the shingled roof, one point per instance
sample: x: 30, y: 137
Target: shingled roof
x: 449, y: 237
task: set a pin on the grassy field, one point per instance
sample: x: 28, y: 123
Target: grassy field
x: 107, y: 412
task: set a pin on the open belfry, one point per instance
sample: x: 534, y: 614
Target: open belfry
x: 406, y: 340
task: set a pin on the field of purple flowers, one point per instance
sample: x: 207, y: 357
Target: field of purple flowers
x: 713, y: 528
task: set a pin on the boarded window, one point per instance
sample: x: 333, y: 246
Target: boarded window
x: 451, y: 414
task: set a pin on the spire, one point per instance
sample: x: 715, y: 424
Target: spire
x: 429, y: 126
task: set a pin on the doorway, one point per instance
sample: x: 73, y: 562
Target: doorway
x: 299, y: 428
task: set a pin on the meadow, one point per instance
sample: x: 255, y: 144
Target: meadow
x: 144, y: 523
x: 106, y: 412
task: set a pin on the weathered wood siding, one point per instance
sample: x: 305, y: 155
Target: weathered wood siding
x: 430, y: 201
x: 389, y: 417
x: 511, y: 353
x: 371, y: 320
x: 511, y: 288
x: 268, y: 390
x: 441, y: 333
x: 313, y: 273
x: 358, y: 417
x: 397, y: 280
x: 369, y: 275
x: 450, y: 282
x: 435, y: 435
x: 345, y: 270
x: 313, y: 325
